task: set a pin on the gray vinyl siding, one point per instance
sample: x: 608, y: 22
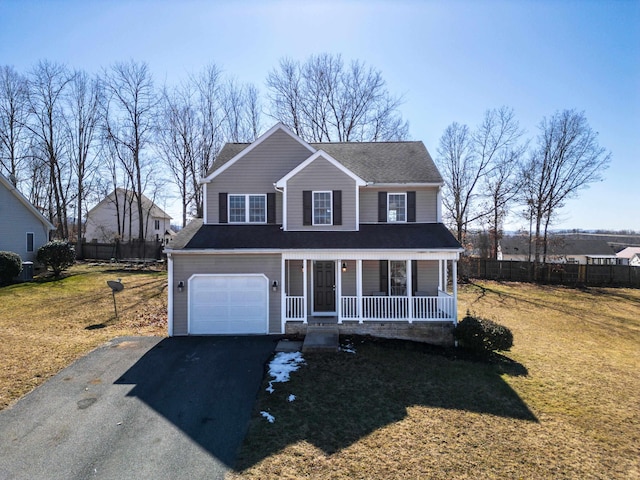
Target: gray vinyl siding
x: 257, y: 171
x: 294, y: 278
x: 16, y: 220
x: 426, y: 203
x: 184, y: 266
x: 428, y: 277
x: 321, y: 175
x: 348, y: 278
x: 370, y: 277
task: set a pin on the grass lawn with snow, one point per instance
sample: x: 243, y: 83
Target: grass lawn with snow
x: 562, y: 404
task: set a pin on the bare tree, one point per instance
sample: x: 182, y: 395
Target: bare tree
x: 567, y: 158
x: 84, y: 114
x: 129, y: 121
x: 322, y: 100
x: 46, y: 97
x: 466, y: 159
x: 14, y: 143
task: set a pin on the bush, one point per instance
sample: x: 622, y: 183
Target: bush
x: 57, y: 255
x: 10, y: 267
x: 482, y: 336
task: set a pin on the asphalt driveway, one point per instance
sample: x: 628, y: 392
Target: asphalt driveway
x: 138, y: 408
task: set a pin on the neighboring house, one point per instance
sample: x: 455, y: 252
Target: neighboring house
x: 23, y: 229
x: 121, y: 208
x: 564, y: 248
x: 295, y: 233
x: 629, y: 256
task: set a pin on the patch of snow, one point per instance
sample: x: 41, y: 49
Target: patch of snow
x: 347, y: 347
x: 268, y: 416
x: 282, y: 365
x: 291, y: 398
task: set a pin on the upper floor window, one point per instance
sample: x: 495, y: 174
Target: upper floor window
x: 397, y: 207
x: 156, y: 224
x: 322, y: 208
x: 247, y: 208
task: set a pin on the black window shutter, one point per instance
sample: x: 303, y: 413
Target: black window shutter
x: 411, y: 206
x: 382, y: 206
x: 384, y: 276
x: 271, y: 207
x: 306, y: 207
x: 337, y: 207
x: 414, y: 277
x: 222, y: 207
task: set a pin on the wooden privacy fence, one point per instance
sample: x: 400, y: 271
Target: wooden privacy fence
x: 121, y: 251
x: 558, y: 273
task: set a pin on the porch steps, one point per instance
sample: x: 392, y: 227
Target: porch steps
x: 321, y: 339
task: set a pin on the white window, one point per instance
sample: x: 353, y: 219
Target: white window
x: 30, y: 242
x: 398, y: 278
x: 247, y: 208
x: 322, y: 202
x: 397, y: 207
x: 156, y: 224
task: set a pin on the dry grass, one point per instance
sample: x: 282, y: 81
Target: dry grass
x: 47, y: 324
x: 566, y: 407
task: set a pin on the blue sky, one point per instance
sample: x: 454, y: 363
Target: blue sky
x: 450, y: 60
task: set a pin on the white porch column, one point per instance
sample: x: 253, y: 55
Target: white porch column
x: 409, y: 292
x: 283, y: 295
x: 445, y: 279
x: 440, y: 270
x: 304, y: 290
x: 338, y: 292
x: 359, y: 289
x: 454, y: 279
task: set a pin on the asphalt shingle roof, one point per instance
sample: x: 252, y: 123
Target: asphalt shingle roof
x: 413, y: 236
x: 376, y: 162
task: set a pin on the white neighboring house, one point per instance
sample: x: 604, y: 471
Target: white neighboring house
x: 23, y: 229
x: 121, y: 208
x: 629, y: 256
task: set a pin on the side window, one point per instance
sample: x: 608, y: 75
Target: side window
x: 156, y: 224
x: 30, y: 242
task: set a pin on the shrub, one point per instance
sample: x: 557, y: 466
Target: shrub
x: 57, y: 255
x: 10, y: 267
x: 482, y: 336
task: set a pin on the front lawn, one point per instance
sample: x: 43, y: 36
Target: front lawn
x: 562, y: 404
x: 47, y: 324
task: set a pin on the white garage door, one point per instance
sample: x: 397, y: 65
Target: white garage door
x: 228, y: 304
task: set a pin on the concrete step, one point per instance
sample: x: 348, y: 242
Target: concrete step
x: 321, y: 339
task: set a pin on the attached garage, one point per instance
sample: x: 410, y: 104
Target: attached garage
x: 226, y: 304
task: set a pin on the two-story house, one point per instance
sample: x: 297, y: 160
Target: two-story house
x: 296, y: 233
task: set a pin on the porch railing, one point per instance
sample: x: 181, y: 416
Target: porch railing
x: 389, y: 308
x: 295, y: 308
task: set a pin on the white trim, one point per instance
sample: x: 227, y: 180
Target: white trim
x: 305, y: 285
x: 284, y: 209
x: 171, y: 293
x: 403, y: 194
x: 196, y: 275
x: 205, y: 207
x: 428, y: 254
x: 283, y: 294
x: 313, y: 208
x: 258, y: 141
x: 357, y: 210
x: 320, y: 153
x: 454, y: 279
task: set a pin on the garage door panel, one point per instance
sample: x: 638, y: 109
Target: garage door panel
x: 228, y: 304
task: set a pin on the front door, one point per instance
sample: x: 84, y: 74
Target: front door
x: 324, y: 286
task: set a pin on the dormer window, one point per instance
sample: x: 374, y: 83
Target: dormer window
x: 322, y: 208
x: 397, y: 207
x: 247, y: 208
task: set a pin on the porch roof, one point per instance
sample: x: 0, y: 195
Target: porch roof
x: 409, y: 236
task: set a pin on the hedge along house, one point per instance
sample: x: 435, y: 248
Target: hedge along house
x: 296, y: 233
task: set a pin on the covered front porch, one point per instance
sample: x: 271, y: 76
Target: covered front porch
x: 350, y: 287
